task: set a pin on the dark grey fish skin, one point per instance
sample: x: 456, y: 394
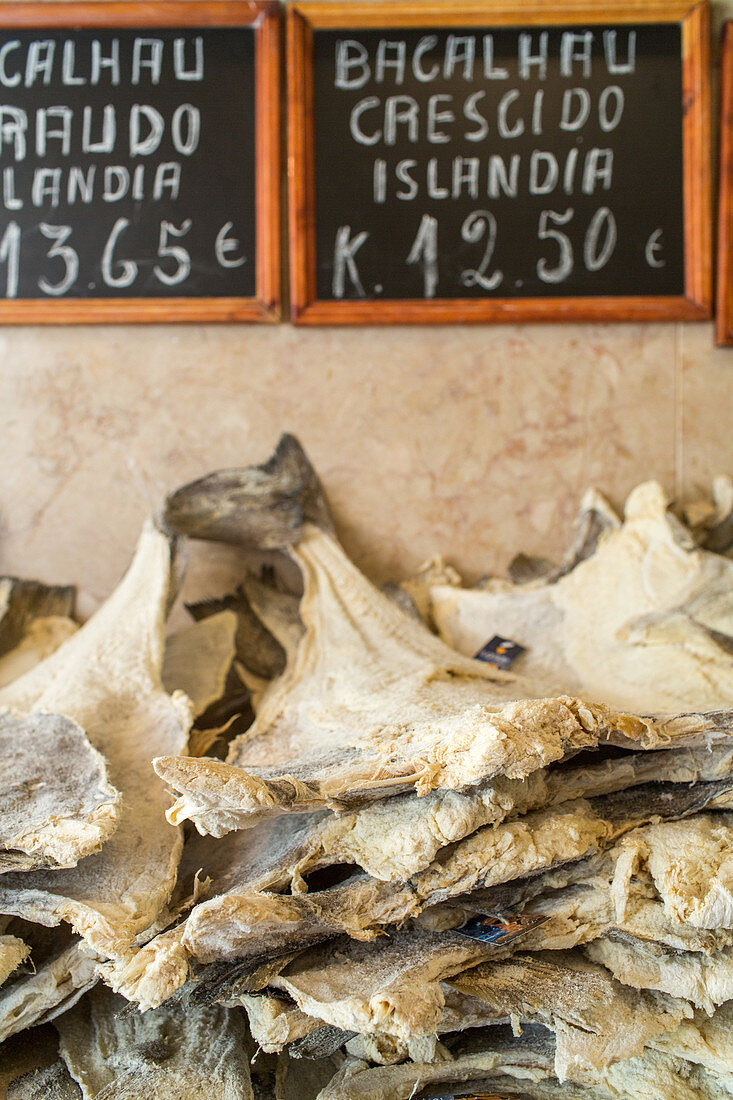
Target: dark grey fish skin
x: 29, y: 600
x: 51, y: 1083
x: 719, y: 538
x: 256, y: 647
x: 320, y: 1043
x: 262, y: 507
x: 668, y: 801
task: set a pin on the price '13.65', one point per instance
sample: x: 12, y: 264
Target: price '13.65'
x: 556, y: 259
x: 118, y: 273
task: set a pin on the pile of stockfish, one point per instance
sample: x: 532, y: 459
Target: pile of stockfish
x: 311, y: 846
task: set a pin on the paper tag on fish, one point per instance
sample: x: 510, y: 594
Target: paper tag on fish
x: 499, y: 930
x: 499, y: 651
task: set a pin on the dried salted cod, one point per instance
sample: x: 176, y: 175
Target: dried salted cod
x: 391, y: 986
x: 56, y: 802
x: 159, y: 1056
x: 24, y: 1054
x: 708, y: 1041
x: 107, y: 679
x: 692, y: 868
x: 51, y: 1083
x: 641, y: 624
x: 257, y: 647
x: 276, y: 1021
x: 495, y: 1053
x: 371, y: 704
x: 54, y: 987
x: 197, y: 659
x: 244, y: 922
x: 704, y: 980
x: 12, y: 953
x: 394, y: 838
x: 596, y: 1019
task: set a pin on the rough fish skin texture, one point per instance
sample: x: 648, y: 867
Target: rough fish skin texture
x: 56, y: 803
x: 157, y: 1056
x: 106, y: 678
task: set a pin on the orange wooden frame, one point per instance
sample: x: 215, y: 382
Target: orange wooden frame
x: 309, y: 15
x: 264, y: 17
x: 724, y: 304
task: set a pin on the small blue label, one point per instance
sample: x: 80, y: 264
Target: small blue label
x: 499, y: 930
x: 501, y: 652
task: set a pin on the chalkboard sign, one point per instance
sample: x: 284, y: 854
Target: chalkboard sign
x: 481, y: 161
x: 139, y: 162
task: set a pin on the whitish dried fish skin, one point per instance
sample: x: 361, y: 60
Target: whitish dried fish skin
x: 596, y: 1019
x: 497, y: 1053
x: 391, y: 986
x: 197, y: 660
x: 324, y: 735
x: 644, y: 623
x: 704, y: 980
x: 276, y: 1021
x: 106, y: 678
x: 56, y: 802
x: 12, y: 953
x: 156, y: 1056
x: 54, y: 987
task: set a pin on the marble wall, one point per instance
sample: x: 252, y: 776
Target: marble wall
x: 471, y: 441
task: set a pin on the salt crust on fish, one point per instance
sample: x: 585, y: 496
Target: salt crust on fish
x: 641, y: 623
x: 373, y: 704
x: 390, y: 986
x: 12, y: 953
x: 161, y: 1055
x: 197, y: 659
x: 107, y: 679
x: 54, y: 987
x: 244, y: 921
x: 56, y: 803
x: 596, y: 1019
x: 370, y: 703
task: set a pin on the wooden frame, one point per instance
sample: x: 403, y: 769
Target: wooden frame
x: 264, y: 17
x: 724, y: 310
x: 305, y: 16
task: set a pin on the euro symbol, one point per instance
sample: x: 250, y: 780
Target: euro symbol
x: 653, y: 245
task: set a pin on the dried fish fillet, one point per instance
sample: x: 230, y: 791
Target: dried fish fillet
x: 640, y: 624
x: 243, y: 922
x: 692, y: 868
x: 53, y: 988
x: 390, y: 986
x: 12, y: 953
x: 497, y: 1053
x: 704, y: 980
x: 276, y: 1021
x: 50, y: 1083
x: 160, y: 1055
x: 107, y: 679
x: 56, y: 803
x: 197, y: 660
x: 370, y: 704
x: 597, y: 1020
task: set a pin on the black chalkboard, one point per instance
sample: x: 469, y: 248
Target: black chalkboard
x: 483, y: 163
x: 128, y: 164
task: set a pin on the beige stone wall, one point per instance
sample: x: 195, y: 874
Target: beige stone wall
x: 475, y: 441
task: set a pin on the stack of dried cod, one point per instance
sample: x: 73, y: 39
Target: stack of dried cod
x: 388, y: 869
